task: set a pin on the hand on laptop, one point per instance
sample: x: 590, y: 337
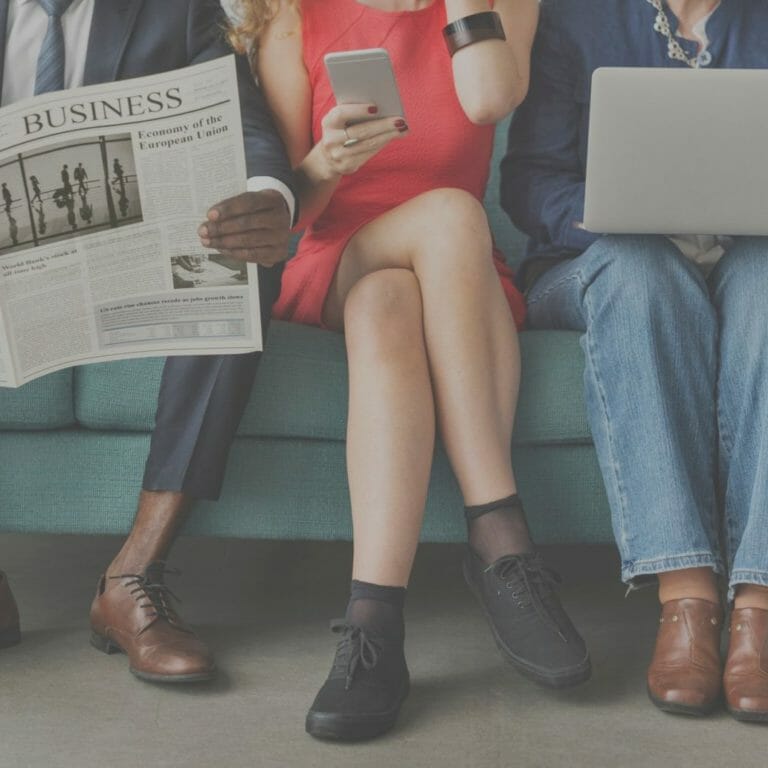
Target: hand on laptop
x: 253, y: 226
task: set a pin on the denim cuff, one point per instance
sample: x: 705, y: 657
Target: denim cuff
x: 640, y: 573
x: 741, y: 576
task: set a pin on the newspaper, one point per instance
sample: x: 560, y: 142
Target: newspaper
x: 103, y: 189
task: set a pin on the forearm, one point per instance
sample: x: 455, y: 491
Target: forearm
x: 491, y: 77
x: 547, y: 206
x: 315, y: 184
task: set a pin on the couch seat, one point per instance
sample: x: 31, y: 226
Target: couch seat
x: 310, y: 365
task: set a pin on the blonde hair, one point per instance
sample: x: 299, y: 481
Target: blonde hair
x: 250, y: 19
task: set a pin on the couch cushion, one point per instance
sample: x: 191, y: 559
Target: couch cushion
x: 45, y: 403
x: 306, y: 367
x: 510, y: 240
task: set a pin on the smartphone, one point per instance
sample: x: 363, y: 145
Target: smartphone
x: 365, y: 77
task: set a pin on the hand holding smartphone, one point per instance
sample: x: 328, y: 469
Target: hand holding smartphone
x: 368, y: 114
x: 365, y: 77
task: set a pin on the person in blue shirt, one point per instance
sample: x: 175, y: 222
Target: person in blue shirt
x: 675, y: 335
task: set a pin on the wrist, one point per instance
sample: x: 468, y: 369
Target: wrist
x: 317, y: 168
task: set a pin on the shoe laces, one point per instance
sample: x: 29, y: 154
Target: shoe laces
x: 530, y: 581
x: 355, y: 650
x: 150, y: 587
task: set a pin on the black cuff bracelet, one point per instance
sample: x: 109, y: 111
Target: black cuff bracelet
x: 473, y: 29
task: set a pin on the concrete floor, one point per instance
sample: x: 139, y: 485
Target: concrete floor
x: 264, y: 608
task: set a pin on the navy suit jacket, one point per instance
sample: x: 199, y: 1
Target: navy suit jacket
x: 133, y: 38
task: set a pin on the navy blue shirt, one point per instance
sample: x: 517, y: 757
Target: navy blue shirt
x: 543, y: 173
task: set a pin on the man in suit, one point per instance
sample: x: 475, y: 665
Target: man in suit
x: 37, y: 197
x: 81, y: 176
x: 49, y: 45
x: 7, y: 198
x: 65, y: 184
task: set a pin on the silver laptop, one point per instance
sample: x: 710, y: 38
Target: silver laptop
x: 675, y: 151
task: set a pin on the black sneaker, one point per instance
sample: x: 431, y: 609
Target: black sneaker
x: 530, y: 627
x: 362, y: 696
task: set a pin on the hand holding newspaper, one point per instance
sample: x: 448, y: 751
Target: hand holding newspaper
x: 103, y: 189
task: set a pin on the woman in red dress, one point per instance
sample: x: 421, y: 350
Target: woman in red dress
x: 398, y: 255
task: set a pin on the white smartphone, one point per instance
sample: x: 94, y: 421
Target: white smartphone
x: 365, y: 77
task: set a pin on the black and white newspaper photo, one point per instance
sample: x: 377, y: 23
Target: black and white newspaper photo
x: 103, y: 189
x: 211, y: 270
x: 68, y: 190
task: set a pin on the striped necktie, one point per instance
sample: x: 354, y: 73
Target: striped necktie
x: 50, y: 64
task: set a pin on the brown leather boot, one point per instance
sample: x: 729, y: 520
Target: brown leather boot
x: 137, y: 618
x: 685, y: 675
x: 10, y: 633
x: 746, y: 670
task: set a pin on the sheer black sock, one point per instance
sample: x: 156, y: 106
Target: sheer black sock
x: 377, y: 609
x: 498, y: 529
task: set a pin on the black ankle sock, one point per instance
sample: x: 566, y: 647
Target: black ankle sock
x: 377, y: 609
x: 498, y: 529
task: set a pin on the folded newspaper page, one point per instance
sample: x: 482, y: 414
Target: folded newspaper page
x: 103, y: 189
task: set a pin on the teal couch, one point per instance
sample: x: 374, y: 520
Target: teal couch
x: 73, y: 444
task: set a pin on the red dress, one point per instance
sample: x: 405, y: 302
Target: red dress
x: 443, y: 148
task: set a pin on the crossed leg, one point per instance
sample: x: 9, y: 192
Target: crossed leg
x: 432, y: 345
x: 428, y: 331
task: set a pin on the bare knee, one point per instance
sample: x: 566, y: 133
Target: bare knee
x: 383, y: 313
x: 453, y: 213
x: 456, y: 230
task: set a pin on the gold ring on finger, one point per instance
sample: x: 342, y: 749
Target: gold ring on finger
x: 350, y: 142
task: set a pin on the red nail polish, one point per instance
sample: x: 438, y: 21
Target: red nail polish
x: 403, y: 129
x: 373, y: 110
x: 400, y: 124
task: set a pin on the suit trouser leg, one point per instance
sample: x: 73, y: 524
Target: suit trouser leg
x: 201, y: 402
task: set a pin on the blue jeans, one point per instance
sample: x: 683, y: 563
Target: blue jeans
x: 676, y: 386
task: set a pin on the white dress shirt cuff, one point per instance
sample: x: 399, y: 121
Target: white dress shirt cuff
x: 260, y: 183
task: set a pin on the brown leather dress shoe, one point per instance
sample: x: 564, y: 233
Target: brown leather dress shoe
x: 10, y: 633
x: 685, y: 675
x: 746, y: 670
x: 137, y: 618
